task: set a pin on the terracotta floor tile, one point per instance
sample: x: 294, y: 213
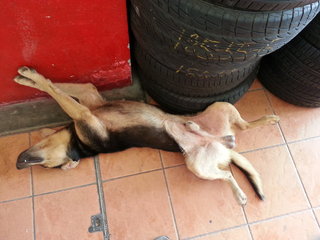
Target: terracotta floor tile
x: 306, y: 156
x: 131, y: 161
x: 48, y: 180
x: 252, y: 106
x: 138, y: 207
x: 14, y: 183
x: 171, y: 159
x: 241, y: 233
x: 16, y: 220
x: 296, y: 122
x: 256, y: 85
x: 66, y: 215
x: 201, y: 206
x: 283, y: 191
x: 300, y: 226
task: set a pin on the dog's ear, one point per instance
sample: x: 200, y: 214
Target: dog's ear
x: 44, y: 132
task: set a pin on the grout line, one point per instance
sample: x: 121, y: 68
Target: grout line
x: 317, y: 207
x: 102, y: 202
x: 139, y: 173
x: 313, y: 210
x: 279, y: 216
x: 242, y: 208
x: 33, y: 208
x: 15, y: 199
x: 246, y: 217
x: 178, y: 165
x: 304, y: 139
x: 215, y: 232
x: 263, y: 148
x: 294, y: 163
x: 63, y: 190
x: 85, y: 185
x: 32, y: 192
x: 291, y: 156
x: 315, y: 216
x: 252, y: 223
x: 250, y: 231
x: 131, y: 175
x: 170, y: 199
x: 302, y: 184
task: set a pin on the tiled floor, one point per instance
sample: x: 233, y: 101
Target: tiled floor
x: 149, y: 193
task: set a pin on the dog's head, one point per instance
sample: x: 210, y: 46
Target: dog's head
x: 54, y: 150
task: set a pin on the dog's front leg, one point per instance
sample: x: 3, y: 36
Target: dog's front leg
x: 78, y: 112
x: 32, y: 78
x: 86, y: 93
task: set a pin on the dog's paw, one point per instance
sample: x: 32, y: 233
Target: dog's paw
x: 272, y: 119
x: 70, y: 164
x: 24, y: 81
x: 32, y: 75
x: 27, y: 72
x: 242, y: 198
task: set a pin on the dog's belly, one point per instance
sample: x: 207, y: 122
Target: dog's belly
x: 142, y: 136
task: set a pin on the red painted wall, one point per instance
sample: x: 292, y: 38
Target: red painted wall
x: 66, y: 40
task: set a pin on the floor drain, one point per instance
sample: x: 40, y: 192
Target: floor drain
x: 96, y: 223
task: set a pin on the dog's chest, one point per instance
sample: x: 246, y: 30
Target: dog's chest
x: 217, y: 125
x: 142, y: 136
x: 119, y: 116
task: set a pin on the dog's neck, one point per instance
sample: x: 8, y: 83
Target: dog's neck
x: 77, y: 149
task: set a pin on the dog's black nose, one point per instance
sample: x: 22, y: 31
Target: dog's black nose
x: 25, y: 159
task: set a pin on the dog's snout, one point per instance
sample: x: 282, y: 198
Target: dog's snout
x: 25, y: 159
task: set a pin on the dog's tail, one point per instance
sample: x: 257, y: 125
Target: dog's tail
x: 253, y: 176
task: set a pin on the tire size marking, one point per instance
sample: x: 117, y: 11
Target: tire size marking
x: 207, y: 49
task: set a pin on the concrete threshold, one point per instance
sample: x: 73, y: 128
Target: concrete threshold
x: 32, y: 115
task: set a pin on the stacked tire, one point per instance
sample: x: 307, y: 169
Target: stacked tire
x: 293, y: 72
x: 192, y: 53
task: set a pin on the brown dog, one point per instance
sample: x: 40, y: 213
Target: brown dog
x: 99, y: 126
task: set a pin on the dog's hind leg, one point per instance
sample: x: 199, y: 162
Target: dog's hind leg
x: 215, y: 173
x: 239, y: 122
x: 227, y: 176
x: 246, y: 167
x: 265, y: 120
x: 86, y: 93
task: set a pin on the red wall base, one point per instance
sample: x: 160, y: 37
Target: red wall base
x: 66, y: 40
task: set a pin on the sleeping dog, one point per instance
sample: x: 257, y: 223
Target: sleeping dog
x: 99, y: 126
